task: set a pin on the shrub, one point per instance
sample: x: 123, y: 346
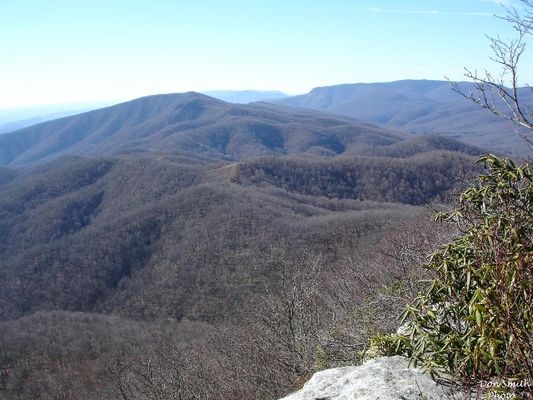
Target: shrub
x: 385, y: 345
x: 476, y: 319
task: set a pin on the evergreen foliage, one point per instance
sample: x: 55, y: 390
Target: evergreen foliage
x: 476, y: 319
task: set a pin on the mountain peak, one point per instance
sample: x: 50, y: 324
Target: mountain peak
x: 190, y: 123
x: 171, y: 98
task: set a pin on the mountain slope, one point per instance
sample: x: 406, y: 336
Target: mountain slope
x: 180, y: 232
x: 415, y: 180
x: 194, y: 124
x: 156, y: 236
x: 417, y: 106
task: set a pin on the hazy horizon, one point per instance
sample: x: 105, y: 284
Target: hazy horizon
x: 59, y: 106
x: 52, y: 107
x: 61, y: 52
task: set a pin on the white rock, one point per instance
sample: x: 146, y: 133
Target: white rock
x: 403, y: 330
x: 385, y: 378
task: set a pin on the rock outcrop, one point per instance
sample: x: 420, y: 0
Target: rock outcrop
x: 385, y: 378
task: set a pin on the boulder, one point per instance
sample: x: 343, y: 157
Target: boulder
x: 385, y: 378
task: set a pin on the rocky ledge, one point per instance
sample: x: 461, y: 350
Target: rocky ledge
x: 385, y: 378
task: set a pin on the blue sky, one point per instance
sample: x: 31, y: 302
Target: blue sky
x: 64, y: 51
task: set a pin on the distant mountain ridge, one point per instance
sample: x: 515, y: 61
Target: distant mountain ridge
x: 198, y: 125
x: 14, y: 119
x: 245, y: 96
x: 186, y: 123
x: 419, y: 106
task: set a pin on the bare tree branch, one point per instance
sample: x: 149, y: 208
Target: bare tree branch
x: 502, y: 95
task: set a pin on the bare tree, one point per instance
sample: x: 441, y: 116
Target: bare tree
x: 501, y: 93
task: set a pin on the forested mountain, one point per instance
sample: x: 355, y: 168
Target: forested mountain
x: 162, y: 196
x: 419, y: 106
x: 195, y: 124
x: 180, y: 267
x: 416, y: 180
x: 236, y: 244
x: 152, y: 237
x: 201, y: 243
